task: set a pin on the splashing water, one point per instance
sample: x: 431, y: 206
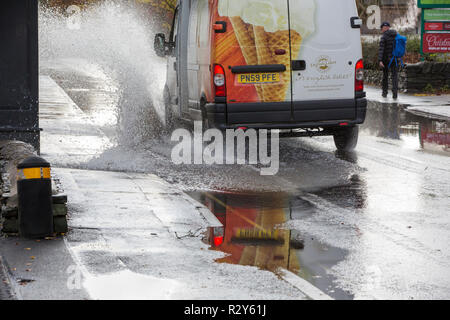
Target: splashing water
x: 409, y: 20
x: 116, y: 37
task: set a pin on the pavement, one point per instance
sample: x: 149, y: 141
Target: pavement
x: 431, y: 106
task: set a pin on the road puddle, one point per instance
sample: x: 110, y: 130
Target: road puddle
x: 254, y: 236
x: 393, y: 122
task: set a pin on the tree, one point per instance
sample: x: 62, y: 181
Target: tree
x: 162, y: 10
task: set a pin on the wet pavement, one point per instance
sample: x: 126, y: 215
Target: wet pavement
x: 369, y: 224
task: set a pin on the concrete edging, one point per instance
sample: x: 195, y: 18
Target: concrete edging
x: 304, y: 286
x: 7, y: 291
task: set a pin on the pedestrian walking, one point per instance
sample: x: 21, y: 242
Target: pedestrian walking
x: 385, y: 54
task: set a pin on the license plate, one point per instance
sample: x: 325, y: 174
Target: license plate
x: 255, y: 234
x: 255, y: 78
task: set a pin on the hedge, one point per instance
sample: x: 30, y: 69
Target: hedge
x: 370, y: 53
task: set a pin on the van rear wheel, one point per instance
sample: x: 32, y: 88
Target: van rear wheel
x: 346, y: 139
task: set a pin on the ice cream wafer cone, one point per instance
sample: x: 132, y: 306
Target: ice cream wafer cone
x: 266, y: 45
x: 246, y: 39
x: 245, y: 36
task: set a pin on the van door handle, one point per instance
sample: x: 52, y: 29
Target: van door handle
x: 259, y: 68
x: 298, y: 65
x: 175, y: 66
x: 356, y: 22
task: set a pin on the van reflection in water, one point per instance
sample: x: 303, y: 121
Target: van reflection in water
x: 435, y: 137
x: 254, y: 236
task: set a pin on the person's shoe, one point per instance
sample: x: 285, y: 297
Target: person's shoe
x: 395, y: 96
x: 384, y: 95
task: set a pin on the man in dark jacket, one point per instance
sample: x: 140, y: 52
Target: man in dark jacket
x: 387, y: 44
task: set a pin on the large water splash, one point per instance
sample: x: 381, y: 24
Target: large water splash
x: 119, y: 39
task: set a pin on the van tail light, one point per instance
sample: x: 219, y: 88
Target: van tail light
x: 218, y: 241
x: 219, y: 81
x: 359, y: 76
x: 218, y: 236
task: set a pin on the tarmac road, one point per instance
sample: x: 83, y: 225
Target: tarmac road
x: 371, y: 224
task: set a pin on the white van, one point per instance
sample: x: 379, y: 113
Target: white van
x: 293, y: 65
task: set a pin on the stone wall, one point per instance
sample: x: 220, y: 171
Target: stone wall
x: 423, y: 74
x: 416, y: 77
x: 375, y: 77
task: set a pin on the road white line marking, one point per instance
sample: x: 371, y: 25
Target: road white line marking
x: 304, y: 286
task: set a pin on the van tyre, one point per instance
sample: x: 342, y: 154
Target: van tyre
x: 346, y: 139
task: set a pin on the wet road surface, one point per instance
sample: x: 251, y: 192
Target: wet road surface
x: 369, y: 224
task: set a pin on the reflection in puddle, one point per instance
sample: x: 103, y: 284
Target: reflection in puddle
x: 253, y: 236
x: 393, y: 122
x: 435, y: 137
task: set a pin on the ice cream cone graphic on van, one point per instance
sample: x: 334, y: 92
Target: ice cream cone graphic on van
x: 265, y: 44
x: 246, y: 38
x: 267, y: 37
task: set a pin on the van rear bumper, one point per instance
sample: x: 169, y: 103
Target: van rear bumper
x: 305, y: 114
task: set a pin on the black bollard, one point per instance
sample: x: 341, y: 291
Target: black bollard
x: 34, y: 189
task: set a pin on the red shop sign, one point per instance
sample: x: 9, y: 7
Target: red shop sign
x: 436, y: 42
x: 434, y: 26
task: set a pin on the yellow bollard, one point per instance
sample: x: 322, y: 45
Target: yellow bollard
x: 34, y: 189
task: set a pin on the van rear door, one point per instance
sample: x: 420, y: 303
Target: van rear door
x: 323, y: 68
x: 255, y: 53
